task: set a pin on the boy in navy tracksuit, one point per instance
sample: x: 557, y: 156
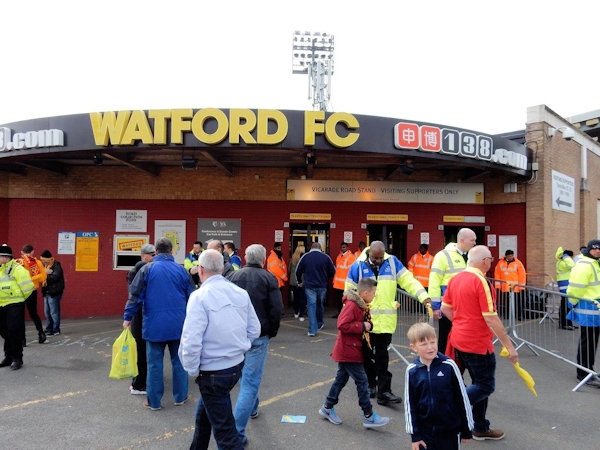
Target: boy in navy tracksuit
x: 437, y: 409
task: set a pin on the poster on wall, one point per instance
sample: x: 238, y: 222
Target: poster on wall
x: 507, y: 242
x: 226, y: 230
x: 86, y: 256
x: 348, y: 237
x: 174, y: 230
x: 425, y: 238
x: 130, y: 243
x: 131, y: 220
x: 66, y: 243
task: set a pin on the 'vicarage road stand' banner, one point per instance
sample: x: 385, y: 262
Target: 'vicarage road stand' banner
x: 245, y: 128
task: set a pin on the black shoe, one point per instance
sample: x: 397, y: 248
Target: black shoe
x: 567, y: 327
x: 57, y: 332
x: 5, y: 362
x: 42, y: 337
x: 336, y: 316
x: 388, y: 398
x: 16, y: 365
x: 372, y: 392
x: 50, y: 333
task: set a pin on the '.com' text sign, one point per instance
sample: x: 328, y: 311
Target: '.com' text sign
x: 384, y: 191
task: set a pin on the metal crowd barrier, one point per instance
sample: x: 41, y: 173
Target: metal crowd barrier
x: 530, y: 316
x: 410, y: 311
x: 532, y: 319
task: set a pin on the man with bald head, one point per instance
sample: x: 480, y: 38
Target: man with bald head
x: 446, y: 264
x: 470, y: 303
x: 389, y: 273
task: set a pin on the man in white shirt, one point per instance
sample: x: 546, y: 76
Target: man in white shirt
x: 219, y: 327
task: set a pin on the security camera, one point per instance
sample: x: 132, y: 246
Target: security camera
x: 568, y: 134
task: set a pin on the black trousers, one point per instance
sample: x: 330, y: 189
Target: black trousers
x: 339, y: 295
x: 12, y: 324
x: 444, y: 326
x: 586, y: 352
x: 139, y: 382
x: 31, y: 304
x: 376, y: 361
x: 562, y: 313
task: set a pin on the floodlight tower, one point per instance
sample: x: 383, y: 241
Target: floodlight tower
x: 313, y: 55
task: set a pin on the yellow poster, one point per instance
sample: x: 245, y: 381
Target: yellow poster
x: 86, y: 253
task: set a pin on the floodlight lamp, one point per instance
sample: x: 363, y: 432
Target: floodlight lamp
x: 567, y: 132
x: 97, y: 159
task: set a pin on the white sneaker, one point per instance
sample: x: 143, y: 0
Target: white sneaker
x: 296, y: 316
x: 136, y: 392
x: 301, y: 319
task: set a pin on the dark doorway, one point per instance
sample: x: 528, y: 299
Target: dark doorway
x: 450, y: 233
x: 392, y: 236
x: 304, y: 234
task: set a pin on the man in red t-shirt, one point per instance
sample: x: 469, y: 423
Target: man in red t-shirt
x: 470, y: 303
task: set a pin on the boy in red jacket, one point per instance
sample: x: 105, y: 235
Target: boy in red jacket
x: 354, y: 324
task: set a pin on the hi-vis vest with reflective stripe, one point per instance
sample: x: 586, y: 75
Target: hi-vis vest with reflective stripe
x: 277, y: 267
x: 446, y: 264
x: 512, y: 272
x: 564, y: 264
x: 584, y: 282
x: 15, y: 283
x: 391, y: 274
x: 342, y: 266
x: 191, y: 260
x: 420, y: 266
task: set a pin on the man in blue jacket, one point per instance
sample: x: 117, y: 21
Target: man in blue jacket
x: 315, y: 269
x: 163, y: 286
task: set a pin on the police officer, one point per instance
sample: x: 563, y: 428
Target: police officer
x: 15, y: 287
x: 584, y: 283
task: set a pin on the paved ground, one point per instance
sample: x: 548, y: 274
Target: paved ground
x: 63, y: 398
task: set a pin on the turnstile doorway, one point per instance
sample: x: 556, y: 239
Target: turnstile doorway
x: 450, y: 233
x: 393, y: 237
x: 304, y: 234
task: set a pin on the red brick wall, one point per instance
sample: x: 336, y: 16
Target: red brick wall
x: 105, y: 292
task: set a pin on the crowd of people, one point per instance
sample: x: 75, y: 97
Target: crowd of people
x: 20, y: 280
x: 217, y: 315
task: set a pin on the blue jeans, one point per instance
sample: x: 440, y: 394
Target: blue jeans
x: 214, y: 409
x: 52, y: 312
x: 357, y: 372
x: 482, y: 370
x: 155, y: 386
x: 315, y: 299
x: 254, y: 366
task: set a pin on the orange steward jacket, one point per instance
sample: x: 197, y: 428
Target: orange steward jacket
x: 512, y: 272
x: 277, y: 267
x: 420, y: 266
x: 342, y: 265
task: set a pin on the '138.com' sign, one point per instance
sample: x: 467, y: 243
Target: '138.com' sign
x: 449, y: 141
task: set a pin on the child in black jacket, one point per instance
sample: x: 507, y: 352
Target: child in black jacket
x: 437, y: 409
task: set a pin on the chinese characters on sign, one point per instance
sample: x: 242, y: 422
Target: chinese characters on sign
x: 427, y: 138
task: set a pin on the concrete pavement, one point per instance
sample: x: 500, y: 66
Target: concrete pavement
x: 63, y: 398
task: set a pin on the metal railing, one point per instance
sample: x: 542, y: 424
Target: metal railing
x: 531, y: 318
x: 409, y: 311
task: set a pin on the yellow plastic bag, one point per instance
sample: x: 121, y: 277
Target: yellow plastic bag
x: 124, y: 357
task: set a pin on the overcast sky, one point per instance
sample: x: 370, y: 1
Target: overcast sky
x: 471, y: 64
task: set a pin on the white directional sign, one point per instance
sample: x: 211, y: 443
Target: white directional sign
x: 563, y: 192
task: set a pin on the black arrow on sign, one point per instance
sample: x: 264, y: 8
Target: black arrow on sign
x: 562, y: 202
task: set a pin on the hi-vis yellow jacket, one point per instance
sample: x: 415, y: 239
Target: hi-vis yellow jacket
x: 446, y: 264
x: 391, y: 273
x: 15, y: 283
x: 584, y: 282
x: 564, y: 265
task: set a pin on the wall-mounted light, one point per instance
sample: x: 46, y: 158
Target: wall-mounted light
x: 567, y: 132
x: 407, y: 168
x: 188, y: 162
x: 98, y: 160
